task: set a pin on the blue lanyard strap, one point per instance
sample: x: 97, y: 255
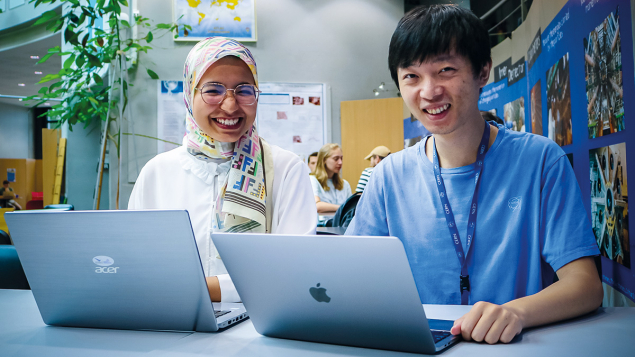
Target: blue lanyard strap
x: 449, y: 216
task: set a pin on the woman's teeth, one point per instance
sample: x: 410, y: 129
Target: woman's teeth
x: 228, y: 122
x: 438, y: 110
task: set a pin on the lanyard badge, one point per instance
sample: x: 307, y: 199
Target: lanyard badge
x: 449, y: 215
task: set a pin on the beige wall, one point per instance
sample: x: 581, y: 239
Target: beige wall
x: 365, y: 125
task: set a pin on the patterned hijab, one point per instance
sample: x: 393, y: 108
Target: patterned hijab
x: 240, y: 205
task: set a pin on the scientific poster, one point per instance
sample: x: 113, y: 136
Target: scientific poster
x: 293, y: 116
x: 515, y: 114
x: 603, y: 70
x: 609, y: 202
x: 536, y: 109
x: 170, y: 115
x: 559, y: 102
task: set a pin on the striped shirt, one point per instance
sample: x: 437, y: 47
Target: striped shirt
x: 363, y: 179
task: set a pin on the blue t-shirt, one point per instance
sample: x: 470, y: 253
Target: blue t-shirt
x: 530, y: 220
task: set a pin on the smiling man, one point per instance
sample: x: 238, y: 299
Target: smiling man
x: 486, y: 215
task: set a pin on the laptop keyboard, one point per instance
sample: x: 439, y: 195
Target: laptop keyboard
x: 219, y: 313
x: 438, y: 335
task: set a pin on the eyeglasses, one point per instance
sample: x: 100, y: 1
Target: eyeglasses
x: 215, y: 93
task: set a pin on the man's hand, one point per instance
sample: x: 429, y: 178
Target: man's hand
x: 488, y: 322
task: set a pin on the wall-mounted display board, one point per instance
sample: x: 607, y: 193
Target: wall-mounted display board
x: 578, y: 70
x: 293, y: 116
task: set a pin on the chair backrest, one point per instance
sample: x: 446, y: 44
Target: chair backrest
x: 61, y: 206
x: 344, y: 215
x: 3, y: 223
x: 11, y: 272
x: 34, y: 204
x: 4, y: 238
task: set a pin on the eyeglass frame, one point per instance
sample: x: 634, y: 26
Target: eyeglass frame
x: 256, y: 90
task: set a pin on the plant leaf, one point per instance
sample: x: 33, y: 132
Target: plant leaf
x: 149, y: 37
x: 45, y: 17
x: 152, y: 74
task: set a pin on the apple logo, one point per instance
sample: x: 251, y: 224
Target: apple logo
x: 319, y: 294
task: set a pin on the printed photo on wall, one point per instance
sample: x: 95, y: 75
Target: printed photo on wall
x: 603, y: 70
x: 515, y: 114
x: 559, y: 102
x: 535, y: 97
x: 609, y: 202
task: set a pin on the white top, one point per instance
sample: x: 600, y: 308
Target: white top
x: 331, y: 196
x: 177, y: 180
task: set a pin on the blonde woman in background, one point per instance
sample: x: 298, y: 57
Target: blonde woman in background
x: 329, y: 188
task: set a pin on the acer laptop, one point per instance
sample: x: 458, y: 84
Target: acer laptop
x: 136, y: 270
x: 356, y: 291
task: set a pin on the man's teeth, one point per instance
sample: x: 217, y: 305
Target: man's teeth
x: 229, y: 122
x: 438, y: 110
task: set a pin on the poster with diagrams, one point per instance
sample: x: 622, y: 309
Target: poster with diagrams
x: 293, y: 116
x: 170, y: 115
x: 609, y: 202
x: 603, y: 70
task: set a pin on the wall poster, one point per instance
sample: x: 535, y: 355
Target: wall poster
x: 609, y: 202
x: 579, y: 73
x: 171, y: 114
x: 559, y: 102
x: 233, y: 19
x: 293, y: 116
x: 603, y: 69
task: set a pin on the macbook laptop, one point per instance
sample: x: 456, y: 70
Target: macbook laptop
x: 356, y: 291
x: 137, y: 270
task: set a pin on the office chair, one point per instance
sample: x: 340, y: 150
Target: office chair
x: 344, y: 215
x: 4, y: 238
x: 11, y: 272
x: 61, y: 206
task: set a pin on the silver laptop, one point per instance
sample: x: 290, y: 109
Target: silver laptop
x: 137, y: 270
x: 356, y: 291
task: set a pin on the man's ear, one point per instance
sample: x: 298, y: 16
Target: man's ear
x: 484, y: 74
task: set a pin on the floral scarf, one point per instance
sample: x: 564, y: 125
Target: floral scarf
x: 240, y: 205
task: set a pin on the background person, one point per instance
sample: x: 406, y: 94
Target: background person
x: 376, y: 155
x: 221, y: 172
x: 491, y: 117
x: 329, y: 188
x: 7, y: 196
x: 502, y: 257
x: 312, y: 161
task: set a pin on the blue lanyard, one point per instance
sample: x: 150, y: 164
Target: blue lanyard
x: 449, y: 216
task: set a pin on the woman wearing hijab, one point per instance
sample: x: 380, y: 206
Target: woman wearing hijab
x: 226, y: 176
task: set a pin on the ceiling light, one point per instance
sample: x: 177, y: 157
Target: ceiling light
x: 35, y: 57
x: 38, y: 72
x: 381, y: 86
x: 20, y: 99
x: 21, y: 84
x: 47, y: 104
x: 376, y: 92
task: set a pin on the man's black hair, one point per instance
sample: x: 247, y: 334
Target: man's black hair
x: 428, y: 31
x: 310, y: 156
x: 5, y: 182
